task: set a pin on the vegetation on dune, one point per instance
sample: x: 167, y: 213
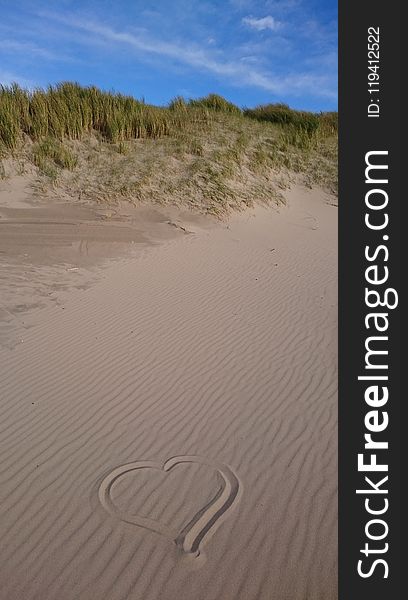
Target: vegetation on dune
x: 50, y: 152
x: 282, y: 114
x: 206, y: 153
x: 302, y: 128
x: 216, y: 102
x: 68, y: 110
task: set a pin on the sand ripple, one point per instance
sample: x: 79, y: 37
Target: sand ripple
x: 221, y: 345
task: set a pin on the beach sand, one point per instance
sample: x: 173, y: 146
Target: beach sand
x: 212, y: 342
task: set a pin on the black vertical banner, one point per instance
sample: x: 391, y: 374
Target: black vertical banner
x: 373, y: 431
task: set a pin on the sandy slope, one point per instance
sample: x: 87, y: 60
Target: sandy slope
x: 219, y: 345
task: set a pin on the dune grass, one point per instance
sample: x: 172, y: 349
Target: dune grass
x: 49, y: 153
x: 283, y: 115
x: 300, y: 128
x: 206, y: 153
x: 68, y: 110
x: 215, y: 102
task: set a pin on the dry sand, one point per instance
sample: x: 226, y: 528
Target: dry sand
x: 188, y: 395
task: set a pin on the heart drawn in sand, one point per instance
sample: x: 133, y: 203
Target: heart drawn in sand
x: 203, y: 523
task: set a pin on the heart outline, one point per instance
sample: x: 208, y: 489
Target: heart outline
x: 203, y: 523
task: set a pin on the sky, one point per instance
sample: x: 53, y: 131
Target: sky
x: 249, y: 51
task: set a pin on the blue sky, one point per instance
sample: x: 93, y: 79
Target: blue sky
x: 250, y: 51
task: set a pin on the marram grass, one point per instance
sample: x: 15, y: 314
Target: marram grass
x: 206, y: 153
x: 69, y: 111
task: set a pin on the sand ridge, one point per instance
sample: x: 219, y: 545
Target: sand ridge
x: 221, y: 345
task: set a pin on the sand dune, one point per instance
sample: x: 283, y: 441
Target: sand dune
x: 218, y: 348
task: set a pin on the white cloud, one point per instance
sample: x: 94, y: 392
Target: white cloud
x: 200, y: 58
x: 193, y: 56
x: 262, y: 23
x: 26, y: 48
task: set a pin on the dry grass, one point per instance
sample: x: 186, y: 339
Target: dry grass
x: 206, y: 154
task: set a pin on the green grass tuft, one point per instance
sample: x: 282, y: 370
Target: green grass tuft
x: 216, y: 102
x: 302, y: 129
x: 49, y: 153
